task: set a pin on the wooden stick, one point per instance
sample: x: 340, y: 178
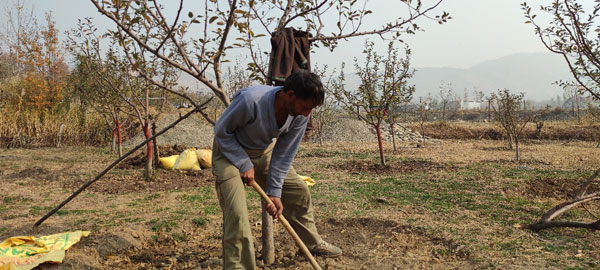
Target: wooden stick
x: 197, y: 109
x: 289, y: 228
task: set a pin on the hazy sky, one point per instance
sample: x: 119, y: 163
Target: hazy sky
x: 480, y: 30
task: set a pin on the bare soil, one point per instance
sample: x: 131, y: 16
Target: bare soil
x: 174, y: 221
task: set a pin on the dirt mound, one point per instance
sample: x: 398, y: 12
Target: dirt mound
x: 133, y: 181
x: 558, y: 188
x: 367, y: 244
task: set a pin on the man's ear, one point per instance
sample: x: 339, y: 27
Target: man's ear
x: 290, y: 94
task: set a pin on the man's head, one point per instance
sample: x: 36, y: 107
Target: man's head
x: 304, y: 91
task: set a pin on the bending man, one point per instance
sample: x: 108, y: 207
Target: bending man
x: 256, y: 139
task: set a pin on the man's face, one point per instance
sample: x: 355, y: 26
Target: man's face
x: 298, y: 106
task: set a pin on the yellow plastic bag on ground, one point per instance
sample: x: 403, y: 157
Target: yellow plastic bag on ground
x: 187, y: 160
x: 309, y: 181
x: 168, y: 162
x: 27, y: 252
x: 204, y: 157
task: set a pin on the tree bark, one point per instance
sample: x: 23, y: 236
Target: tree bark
x: 268, y: 250
x: 517, y: 149
x: 119, y: 138
x: 113, y: 145
x: 155, y: 144
x: 148, y: 152
x: 393, y: 136
x: 379, y: 141
x: 60, y: 131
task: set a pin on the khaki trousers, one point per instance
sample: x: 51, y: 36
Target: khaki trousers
x: 238, y: 246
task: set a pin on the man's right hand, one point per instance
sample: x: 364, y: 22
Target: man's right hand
x: 248, y: 176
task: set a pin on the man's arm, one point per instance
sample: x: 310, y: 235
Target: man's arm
x: 237, y: 114
x: 283, y: 156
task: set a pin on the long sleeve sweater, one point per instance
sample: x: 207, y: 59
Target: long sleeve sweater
x: 249, y: 122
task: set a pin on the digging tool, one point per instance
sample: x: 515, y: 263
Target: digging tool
x: 289, y: 228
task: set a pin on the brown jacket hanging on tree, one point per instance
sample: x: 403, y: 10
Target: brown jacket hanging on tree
x: 291, y: 52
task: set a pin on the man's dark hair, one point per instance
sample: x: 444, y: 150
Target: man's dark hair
x: 306, y: 85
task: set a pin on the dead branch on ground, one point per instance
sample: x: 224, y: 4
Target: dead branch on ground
x: 547, y: 220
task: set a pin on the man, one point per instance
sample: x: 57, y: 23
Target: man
x: 256, y: 139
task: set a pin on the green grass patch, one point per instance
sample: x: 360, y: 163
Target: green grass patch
x: 158, y: 225
x: 16, y: 200
x: 212, y: 209
x: 199, y: 221
x: 151, y: 197
x: 180, y: 237
x: 74, y: 212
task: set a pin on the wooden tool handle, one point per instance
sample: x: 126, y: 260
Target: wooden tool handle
x: 289, y: 228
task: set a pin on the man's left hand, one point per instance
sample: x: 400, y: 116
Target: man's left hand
x: 276, y: 208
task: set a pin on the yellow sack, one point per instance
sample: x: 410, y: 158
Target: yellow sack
x: 204, y: 157
x: 27, y: 252
x: 168, y: 162
x: 187, y: 160
x: 309, y: 181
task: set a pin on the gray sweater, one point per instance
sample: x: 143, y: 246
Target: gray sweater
x: 249, y: 122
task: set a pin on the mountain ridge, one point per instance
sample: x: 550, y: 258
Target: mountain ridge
x: 531, y: 73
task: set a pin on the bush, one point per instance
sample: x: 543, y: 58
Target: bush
x: 40, y: 128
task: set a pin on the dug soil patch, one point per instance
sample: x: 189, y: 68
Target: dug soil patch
x: 558, y: 188
x: 120, y: 182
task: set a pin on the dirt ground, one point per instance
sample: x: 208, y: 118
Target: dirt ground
x: 174, y: 221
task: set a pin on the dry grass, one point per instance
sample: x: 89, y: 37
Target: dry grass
x: 447, y: 205
x: 552, y: 130
x: 39, y: 129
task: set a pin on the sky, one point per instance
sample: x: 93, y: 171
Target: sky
x: 479, y: 30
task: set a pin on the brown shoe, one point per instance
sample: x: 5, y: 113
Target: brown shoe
x: 325, y: 249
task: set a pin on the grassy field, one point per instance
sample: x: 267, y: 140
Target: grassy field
x: 446, y: 205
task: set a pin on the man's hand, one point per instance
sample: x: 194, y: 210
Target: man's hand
x: 248, y: 176
x: 276, y: 208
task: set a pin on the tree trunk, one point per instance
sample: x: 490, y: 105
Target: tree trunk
x: 119, y: 138
x: 379, y: 141
x: 268, y: 250
x: 489, y: 111
x: 113, y: 145
x: 393, y: 136
x: 155, y: 143
x: 444, y: 112
x: 510, y: 141
x: 578, y: 112
x: 60, y: 131
x: 517, y: 148
x: 148, y: 152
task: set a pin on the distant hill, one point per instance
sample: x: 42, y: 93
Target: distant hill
x: 532, y: 73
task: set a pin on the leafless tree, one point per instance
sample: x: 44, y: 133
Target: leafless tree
x: 424, y: 112
x: 383, y: 86
x: 573, y: 34
x: 234, y: 24
x: 394, y: 113
x: 506, y: 108
x: 116, y: 81
x: 572, y: 93
x: 446, y: 96
x: 324, y: 115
